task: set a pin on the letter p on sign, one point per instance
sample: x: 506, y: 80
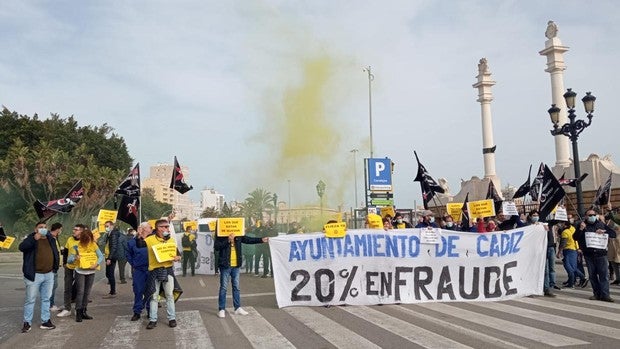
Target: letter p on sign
x: 379, y: 167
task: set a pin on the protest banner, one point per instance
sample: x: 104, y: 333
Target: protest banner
x: 481, y: 208
x: 335, y: 230
x: 166, y: 251
x: 368, y: 267
x: 227, y: 226
x: 454, y: 210
x: 87, y: 259
x: 104, y: 216
x: 594, y: 240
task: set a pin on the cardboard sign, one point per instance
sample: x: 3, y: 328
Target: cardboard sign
x: 87, y: 259
x: 561, y: 214
x: 166, y: 251
x: 7, y: 242
x: 335, y: 230
x: 388, y: 211
x: 104, y: 216
x: 454, y: 210
x: 509, y: 208
x: 594, y: 240
x: 481, y: 208
x: 227, y: 226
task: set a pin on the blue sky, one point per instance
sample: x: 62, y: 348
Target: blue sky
x: 219, y: 84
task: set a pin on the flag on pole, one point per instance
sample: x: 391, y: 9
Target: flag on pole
x: 427, y: 183
x: 572, y: 182
x: 493, y: 194
x: 535, y: 188
x: 465, y: 215
x: 551, y: 193
x: 131, y: 185
x: 525, y: 187
x: 129, y: 209
x: 603, y: 193
x: 47, y: 210
x: 178, y: 180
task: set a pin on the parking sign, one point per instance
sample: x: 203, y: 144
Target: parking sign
x: 380, y: 174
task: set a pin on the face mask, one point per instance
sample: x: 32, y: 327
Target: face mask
x: 432, y: 219
x: 449, y: 224
x: 535, y: 219
x: 166, y: 235
x: 108, y: 229
x: 42, y: 231
x: 571, y: 221
x: 591, y: 219
x: 399, y: 221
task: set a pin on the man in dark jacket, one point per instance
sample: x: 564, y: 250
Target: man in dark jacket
x: 138, y: 259
x: 111, y: 256
x: 229, y: 250
x: 40, y: 263
x: 592, y: 236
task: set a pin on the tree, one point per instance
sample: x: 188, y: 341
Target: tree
x: 209, y: 212
x: 151, y: 208
x: 256, y: 204
x: 229, y: 211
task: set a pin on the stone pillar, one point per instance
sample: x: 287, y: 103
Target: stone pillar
x: 555, y: 67
x: 485, y: 96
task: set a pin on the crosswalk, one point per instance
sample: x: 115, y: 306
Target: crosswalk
x: 570, y: 320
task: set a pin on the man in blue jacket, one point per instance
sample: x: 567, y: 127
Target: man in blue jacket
x: 137, y: 257
x: 40, y: 263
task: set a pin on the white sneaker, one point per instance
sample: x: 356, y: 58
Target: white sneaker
x: 64, y: 313
x: 221, y: 314
x: 54, y: 308
x: 240, y: 311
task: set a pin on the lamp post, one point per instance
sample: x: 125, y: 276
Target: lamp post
x: 370, y: 79
x: 275, y: 209
x: 320, y: 190
x: 572, y: 129
x: 288, y: 219
x: 354, y: 151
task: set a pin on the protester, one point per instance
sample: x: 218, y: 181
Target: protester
x: 230, y: 252
x: 400, y: 223
x: 40, y: 262
x: 595, y: 255
x: 137, y: 257
x: 83, y: 255
x: 549, y: 281
x: 69, y: 281
x: 449, y: 224
x: 122, y: 252
x: 55, y: 231
x: 568, y: 249
x: 387, y: 223
x: 428, y: 220
x: 374, y: 221
x: 161, y: 274
x: 248, y: 253
x: 111, y: 256
x: 188, y: 242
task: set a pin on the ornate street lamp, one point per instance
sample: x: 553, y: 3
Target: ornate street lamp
x: 275, y: 209
x: 320, y: 190
x: 572, y: 129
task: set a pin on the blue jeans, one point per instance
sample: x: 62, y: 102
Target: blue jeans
x: 599, y: 275
x: 226, y: 274
x: 42, y: 286
x: 168, y: 288
x: 570, y: 264
x: 139, y: 284
x: 550, y: 268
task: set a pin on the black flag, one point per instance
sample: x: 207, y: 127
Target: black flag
x: 535, y: 188
x: 492, y: 194
x: 131, y: 185
x: 571, y: 182
x: 128, y: 210
x: 465, y: 215
x: 427, y: 183
x: 603, y: 193
x: 525, y: 187
x: 551, y: 192
x: 46, y: 210
x: 178, y: 181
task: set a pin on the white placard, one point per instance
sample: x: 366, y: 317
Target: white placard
x: 561, y: 214
x: 509, y: 208
x: 594, y: 240
x: 430, y: 236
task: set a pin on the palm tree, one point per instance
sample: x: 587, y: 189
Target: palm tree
x: 256, y: 203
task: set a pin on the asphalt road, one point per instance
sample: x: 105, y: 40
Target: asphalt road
x: 570, y: 320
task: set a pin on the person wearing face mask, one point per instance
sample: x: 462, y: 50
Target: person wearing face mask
x: 55, y: 231
x: 592, y: 236
x: 428, y: 220
x: 137, y: 257
x: 568, y: 249
x: 41, y: 259
x: 161, y: 274
x: 111, y: 249
x: 69, y: 268
x: 400, y: 223
x: 549, y: 282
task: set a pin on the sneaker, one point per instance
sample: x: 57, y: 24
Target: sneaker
x: 549, y: 294
x: 151, y: 325
x: 26, y: 328
x: 172, y: 323
x: 109, y: 295
x: 607, y: 299
x: 593, y: 298
x: 64, y: 313
x: 54, y: 308
x: 135, y: 317
x: 557, y: 287
x: 47, y: 325
x: 240, y: 311
x: 221, y: 314
x: 584, y: 283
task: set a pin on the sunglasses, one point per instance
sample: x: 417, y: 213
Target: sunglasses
x: 592, y: 215
x: 164, y: 226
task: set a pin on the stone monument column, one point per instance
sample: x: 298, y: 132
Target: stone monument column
x: 485, y: 96
x: 555, y: 67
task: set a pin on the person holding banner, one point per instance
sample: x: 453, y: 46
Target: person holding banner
x: 428, y: 221
x: 549, y: 281
x: 400, y: 223
x: 137, y: 257
x: 88, y: 257
x: 229, y: 250
x: 592, y: 236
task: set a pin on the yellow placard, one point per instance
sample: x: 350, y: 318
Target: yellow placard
x: 227, y: 226
x: 165, y: 252
x: 374, y: 221
x: 388, y: 210
x: 454, y: 210
x: 481, y: 208
x: 104, y: 216
x: 7, y: 242
x: 335, y: 230
x: 192, y: 224
x: 152, y: 223
x: 212, y: 225
x: 87, y: 259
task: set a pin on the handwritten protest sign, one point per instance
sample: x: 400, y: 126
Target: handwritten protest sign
x: 227, y: 226
x: 335, y: 230
x: 87, y: 259
x: 165, y: 252
x: 481, y: 208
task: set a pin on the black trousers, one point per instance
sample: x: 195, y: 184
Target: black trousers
x: 109, y: 273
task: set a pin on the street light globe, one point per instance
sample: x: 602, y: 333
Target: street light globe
x: 554, y: 113
x: 588, y: 102
x: 569, y: 97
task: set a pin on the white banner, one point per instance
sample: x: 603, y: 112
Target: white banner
x: 381, y: 267
x: 204, y: 260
